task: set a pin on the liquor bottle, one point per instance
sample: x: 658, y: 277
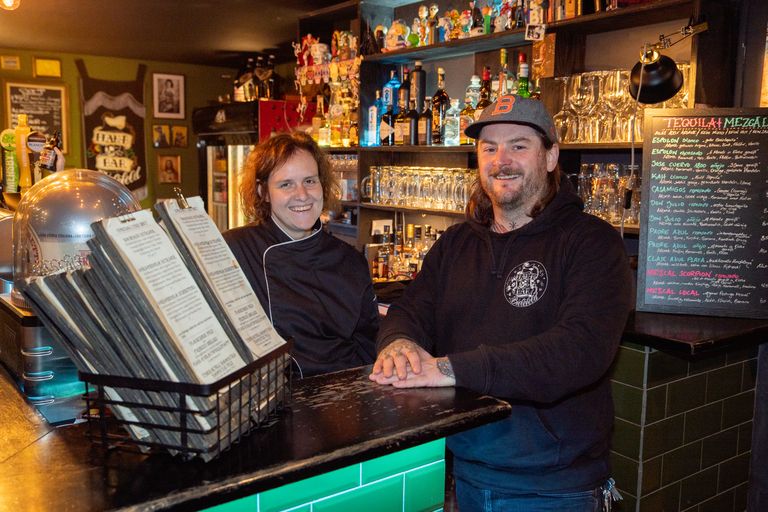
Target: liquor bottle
x: 440, y: 104
x: 402, y: 128
x: 244, y: 80
x: 522, y: 77
x: 257, y: 90
x: 466, y: 118
x: 413, y: 125
x: 418, y: 79
x: 425, y: 126
x: 503, y: 76
x: 452, y: 124
x: 21, y: 133
x: 47, y: 159
x: 389, y: 92
x: 485, y: 92
x: 536, y: 92
x: 374, y: 120
x: 269, y: 81
x: 404, y: 93
x: 519, y: 15
x: 387, y: 127
x: 473, y: 90
x: 317, y: 119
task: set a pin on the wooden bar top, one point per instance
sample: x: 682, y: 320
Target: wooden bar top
x: 333, y: 421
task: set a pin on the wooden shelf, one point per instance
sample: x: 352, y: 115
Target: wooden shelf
x: 446, y: 213
x: 420, y: 149
x: 601, y: 146
x: 644, y: 14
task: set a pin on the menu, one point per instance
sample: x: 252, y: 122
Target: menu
x: 704, y: 234
x: 44, y: 104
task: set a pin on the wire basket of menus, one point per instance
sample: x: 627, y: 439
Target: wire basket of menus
x: 187, y: 419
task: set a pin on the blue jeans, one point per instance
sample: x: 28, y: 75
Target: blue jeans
x: 472, y: 499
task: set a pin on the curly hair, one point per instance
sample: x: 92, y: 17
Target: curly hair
x: 480, y: 209
x: 270, y: 155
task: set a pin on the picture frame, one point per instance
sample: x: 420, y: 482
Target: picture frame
x: 179, y: 136
x: 161, y: 136
x: 10, y: 62
x: 168, y: 96
x: 168, y: 168
x: 47, y: 68
x: 46, y: 106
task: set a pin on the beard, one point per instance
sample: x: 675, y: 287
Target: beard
x: 532, y: 188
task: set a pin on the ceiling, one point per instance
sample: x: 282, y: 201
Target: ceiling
x: 208, y: 32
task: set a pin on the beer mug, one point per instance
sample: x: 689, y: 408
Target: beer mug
x: 371, y: 185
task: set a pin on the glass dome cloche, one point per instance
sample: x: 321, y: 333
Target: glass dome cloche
x: 53, y: 220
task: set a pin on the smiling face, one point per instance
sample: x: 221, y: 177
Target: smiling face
x: 295, y: 195
x: 513, y: 166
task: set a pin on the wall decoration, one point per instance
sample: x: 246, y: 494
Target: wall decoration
x: 161, y: 135
x: 169, y: 169
x: 10, y: 62
x: 168, y: 95
x: 45, y: 105
x: 764, y: 89
x: 47, y: 68
x: 179, y: 136
x: 114, y: 115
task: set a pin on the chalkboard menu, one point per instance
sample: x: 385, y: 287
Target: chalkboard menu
x: 704, y: 233
x: 45, y: 105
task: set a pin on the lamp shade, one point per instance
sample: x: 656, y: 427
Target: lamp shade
x: 660, y: 79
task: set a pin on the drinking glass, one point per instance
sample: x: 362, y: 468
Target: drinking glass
x: 566, y: 122
x: 582, y: 97
x: 371, y: 185
x: 615, y: 95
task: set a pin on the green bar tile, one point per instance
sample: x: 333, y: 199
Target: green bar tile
x: 699, y: 487
x: 720, y: 503
x: 724, y: 382
x: 681, y: 463
x: 304, y: 491
x: 651, y: 475
x: 742, y: 354
x: 404, y: 460
x: 624, y: 471
x: 383, y: 496
x: 655, y: 404
x: 666, y: 498
x: 247, y: 504
x: 733, y: 472
x: 425, y: 488
x: 628, y: 368
x: 749, y: 375
x: 686, y: 394
x: 627, y: 401
x: 703, y: 421
x: 626, y: 438
x: 662, y: 436
x: 745, y: 437
x: 738, y: 409
x: 719, y: 447
x: 664, y: 367
x: 706, y: 363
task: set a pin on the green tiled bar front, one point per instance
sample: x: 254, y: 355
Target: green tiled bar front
x: 411, y: 480
x: 683, y: 429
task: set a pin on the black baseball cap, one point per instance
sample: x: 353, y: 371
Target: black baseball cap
x: 515, y: 109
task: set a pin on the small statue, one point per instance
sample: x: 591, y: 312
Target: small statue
x: 423, y: 26
x: 432, y: 35
x: 465, y: 21
x: 477, y: 15
x: 444, y: 28
x: 397, y: 36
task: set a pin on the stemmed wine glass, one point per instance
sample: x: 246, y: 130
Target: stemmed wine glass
x: 566, y: 122
x: 615, y: 95
x: 582, y: 97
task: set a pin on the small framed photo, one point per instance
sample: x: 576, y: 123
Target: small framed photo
x: 10, y: 62
x: 535, y: 32
x: 168, y: 95
x: 161, y: 136
x: 47, y: 68
x: 169, y: 169
x: 179, y: 136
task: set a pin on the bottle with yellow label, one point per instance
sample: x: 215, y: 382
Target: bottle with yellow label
x: 21, y: 132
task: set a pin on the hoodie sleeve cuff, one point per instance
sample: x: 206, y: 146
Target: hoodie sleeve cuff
x: 471, y: 370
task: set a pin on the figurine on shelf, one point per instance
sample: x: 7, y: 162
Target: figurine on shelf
x: 477, y: 19
x: 465, y: 21
x: 432, y: 34
x: 444, y: 28
x: 397, y: 36
x: 505, y: 19
x: 303, y: 51
x: 380, y: 33
x: 455, y: 18
x: 413, y: 37
x: 536, y: 12
x: 487, y: 19
x: 423, y: 25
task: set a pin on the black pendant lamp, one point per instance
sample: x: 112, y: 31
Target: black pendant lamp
x: 656, y: 77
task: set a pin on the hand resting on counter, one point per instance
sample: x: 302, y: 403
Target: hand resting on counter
x: 404, y: 364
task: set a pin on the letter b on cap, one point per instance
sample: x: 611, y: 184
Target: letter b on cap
x: 504, y: 105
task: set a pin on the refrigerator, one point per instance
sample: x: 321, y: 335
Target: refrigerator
x: 226, y: 134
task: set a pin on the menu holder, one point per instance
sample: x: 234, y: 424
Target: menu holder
x: 704, y: 229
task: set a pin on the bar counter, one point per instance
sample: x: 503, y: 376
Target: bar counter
x: 333, y: 421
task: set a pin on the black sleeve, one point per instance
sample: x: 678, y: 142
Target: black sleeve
x: 367, y: 325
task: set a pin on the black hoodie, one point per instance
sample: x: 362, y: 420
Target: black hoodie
x: 533, y: 316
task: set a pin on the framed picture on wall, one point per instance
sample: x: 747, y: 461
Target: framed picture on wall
x: 168, y: 169
x: 168, y: 95
x: 45, y: 104
x: 161, y: 136
x: 179, y: 136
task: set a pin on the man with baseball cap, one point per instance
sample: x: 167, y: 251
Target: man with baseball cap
x: 526, y: 301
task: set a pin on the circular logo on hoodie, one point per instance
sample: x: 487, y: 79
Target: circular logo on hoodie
x: 526, y: 284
